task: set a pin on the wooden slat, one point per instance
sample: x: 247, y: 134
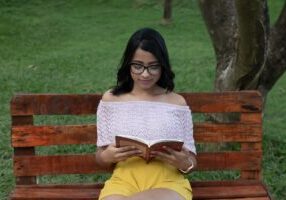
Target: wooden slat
x: 84, y: 164
x: 237, y: 182
x: 22, y: 120
x: 251, y: 118
x: 30, y: 151
x: 234, y: 190
x: 227, y: 184
x: 246, y: 198
x: 229, y: 160
x: 48, y: 193
x: 54, y: 104
x: 60, y: 164
x: 64, y: 186
x: 219, y: 192
x: 236, y: 132
x: 44, y: 104
x: 27, y: 136
x: 27, y: 151
x: 246, y: 147
x: 242, y: 101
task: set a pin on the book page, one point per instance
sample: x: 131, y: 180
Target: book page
x: 149, y: 143
x: 143, y: 145
x: 152, y: 142
x: 175, y: 145
x: 139, y: 145
x: 136, y: 139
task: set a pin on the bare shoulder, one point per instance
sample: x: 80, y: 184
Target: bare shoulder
x: 175, y: 98
x: 108, y: 96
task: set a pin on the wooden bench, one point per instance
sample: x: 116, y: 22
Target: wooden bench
x: 28, y: 166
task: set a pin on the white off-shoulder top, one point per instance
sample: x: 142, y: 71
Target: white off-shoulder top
x: 144, y: 119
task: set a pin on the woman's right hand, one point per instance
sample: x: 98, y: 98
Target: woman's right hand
x: 112, y: 154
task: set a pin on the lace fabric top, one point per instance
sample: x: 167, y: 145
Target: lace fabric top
x: 145, y: 119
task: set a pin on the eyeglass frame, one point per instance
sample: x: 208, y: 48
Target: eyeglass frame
x: 146, y: 67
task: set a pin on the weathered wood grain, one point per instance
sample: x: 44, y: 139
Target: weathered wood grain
x: 29, y: 136
x: 83, y: 104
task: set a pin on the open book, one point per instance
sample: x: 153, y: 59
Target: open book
x: 147, y: 146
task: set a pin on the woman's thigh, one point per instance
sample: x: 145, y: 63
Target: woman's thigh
x: 153, y: 194
x: 156, y: 194
x: 115, y: 197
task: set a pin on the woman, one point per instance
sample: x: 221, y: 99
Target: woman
x: 142, y: 104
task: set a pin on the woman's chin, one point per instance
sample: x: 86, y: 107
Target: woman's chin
x: 146, y: 86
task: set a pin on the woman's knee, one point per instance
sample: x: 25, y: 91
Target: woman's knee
x: 115, y: 197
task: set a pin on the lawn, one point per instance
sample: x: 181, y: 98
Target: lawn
x: 62, y: 46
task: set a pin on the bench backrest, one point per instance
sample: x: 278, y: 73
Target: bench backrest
x: 247, y: 132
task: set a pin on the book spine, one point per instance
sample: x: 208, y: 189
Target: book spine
x: 147, y: 157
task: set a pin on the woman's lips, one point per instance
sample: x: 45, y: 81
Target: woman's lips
x: 145, y: 81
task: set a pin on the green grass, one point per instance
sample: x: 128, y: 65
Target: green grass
x: 75, y: 46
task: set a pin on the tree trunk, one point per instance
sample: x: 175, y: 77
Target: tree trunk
x: 276, y: 60
x: 222, y: 28
x: 167, y: 16
x: 252, y: 50
x: 249, y: 55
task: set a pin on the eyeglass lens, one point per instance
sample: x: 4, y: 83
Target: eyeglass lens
x: 137, y: 68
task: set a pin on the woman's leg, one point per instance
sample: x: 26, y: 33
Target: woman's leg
x: 153, y: 194
x: 115, y: 197
x: 156, y: 194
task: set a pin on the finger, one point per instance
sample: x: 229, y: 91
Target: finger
x: 129, y: 154
x: 126, y: 148
x: 169, y: 150
x: 124, y: 157
x: 158, y: 153
x: 184, y: 149
x: 162, y: 155
x: 164, y: 158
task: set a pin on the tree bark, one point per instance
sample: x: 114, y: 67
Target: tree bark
x: 249, y: 54
x: 276, y: 60
x: 253, y: 25
x: 221, y: 22
x: 239, y: 30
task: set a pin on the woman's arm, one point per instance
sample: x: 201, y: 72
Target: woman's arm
x: 100, y: 160
x: 189, y: 164
x: 184, y: 160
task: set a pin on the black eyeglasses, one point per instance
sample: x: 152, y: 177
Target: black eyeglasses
x: 137, y: 68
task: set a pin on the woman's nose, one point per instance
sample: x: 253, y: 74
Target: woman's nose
x: 145, y: 73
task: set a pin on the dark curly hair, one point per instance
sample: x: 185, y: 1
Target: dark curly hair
x: 149, y: 40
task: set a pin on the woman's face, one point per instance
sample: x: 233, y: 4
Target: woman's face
x: 145, y: 70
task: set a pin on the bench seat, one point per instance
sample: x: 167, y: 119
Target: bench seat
x: 214, y: 190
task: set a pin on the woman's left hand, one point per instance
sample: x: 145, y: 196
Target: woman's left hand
x: 179, y: 159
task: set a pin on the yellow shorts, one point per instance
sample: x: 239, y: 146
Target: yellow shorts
x: 135, y: 175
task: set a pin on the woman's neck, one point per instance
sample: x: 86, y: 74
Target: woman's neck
x: 154, y: 91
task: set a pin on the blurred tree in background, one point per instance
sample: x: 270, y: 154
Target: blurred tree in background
x: 249, y: 53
